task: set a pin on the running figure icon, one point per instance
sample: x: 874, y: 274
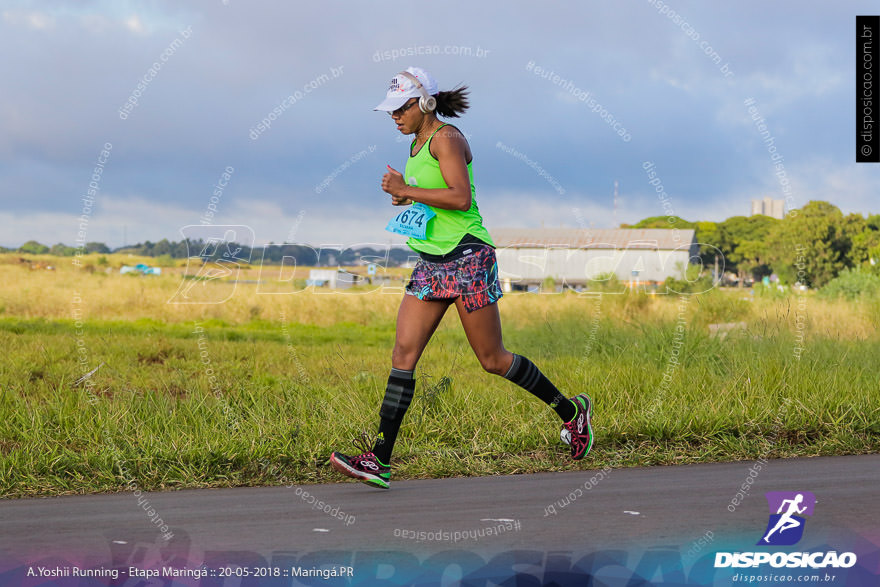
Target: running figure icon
x: 786, y: 521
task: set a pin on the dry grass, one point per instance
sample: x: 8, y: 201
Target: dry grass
x: 100, y: 292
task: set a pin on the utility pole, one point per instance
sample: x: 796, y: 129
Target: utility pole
x: 615, y: 204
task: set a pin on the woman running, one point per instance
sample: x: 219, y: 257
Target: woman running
x: 457, y: 266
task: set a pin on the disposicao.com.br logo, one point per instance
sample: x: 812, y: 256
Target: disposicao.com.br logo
x: 786, y: 528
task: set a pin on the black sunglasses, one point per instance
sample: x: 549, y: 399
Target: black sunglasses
x: 403, y: 108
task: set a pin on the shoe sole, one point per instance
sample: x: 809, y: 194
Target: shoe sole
x: 350, y: 471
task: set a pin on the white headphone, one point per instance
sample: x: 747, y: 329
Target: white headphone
x: 427, y: 103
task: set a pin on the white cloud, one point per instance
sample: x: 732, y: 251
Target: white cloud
x: 93, y: 19
x: 35, y: 20
x: 535, y: 209
x: 135, y: 25
x: 142, y: 219
x: 850, y: 186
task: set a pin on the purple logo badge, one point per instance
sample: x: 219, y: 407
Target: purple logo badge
x: 786, y: 524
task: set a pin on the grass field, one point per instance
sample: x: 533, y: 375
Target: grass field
x: 262, y: 388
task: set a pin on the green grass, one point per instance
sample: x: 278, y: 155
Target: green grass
x: 285, y: 396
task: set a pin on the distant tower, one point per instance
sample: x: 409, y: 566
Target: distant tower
x: 769, y: 207
x: 777, y: 209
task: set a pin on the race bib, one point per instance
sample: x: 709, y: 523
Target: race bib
x: 412, y: 222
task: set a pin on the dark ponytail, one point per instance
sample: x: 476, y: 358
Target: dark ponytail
x: 453, y: 103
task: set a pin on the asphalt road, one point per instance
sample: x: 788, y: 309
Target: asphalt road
x: 692, y: 508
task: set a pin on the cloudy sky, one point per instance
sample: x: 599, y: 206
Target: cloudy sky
x: 567, y: 98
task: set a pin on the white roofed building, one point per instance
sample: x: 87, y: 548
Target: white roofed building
x: 572, y: 257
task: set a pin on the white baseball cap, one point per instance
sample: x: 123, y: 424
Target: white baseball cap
x: 402, y: 89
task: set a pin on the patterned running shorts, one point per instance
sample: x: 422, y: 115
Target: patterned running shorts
x: 473, y: 277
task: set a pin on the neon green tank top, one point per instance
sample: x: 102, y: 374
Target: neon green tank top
x: 446, y: 229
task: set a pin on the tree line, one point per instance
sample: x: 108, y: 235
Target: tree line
x: 811, y: 245
x: 271, y: 253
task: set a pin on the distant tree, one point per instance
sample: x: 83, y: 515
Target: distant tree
x: 181, y: 250
x: 708, y: 235
x: 97, y: 248
x: 743, y: 241
x: 816, y: 241
x: 163, y: 247
x: 144, y: 249
x: 398, y: 256
x: 866, y: 246
x: 661, y: 222
x: 852, y: 225
x: 752, y: 259
x: 34, y: 248
x: 62, y: 250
